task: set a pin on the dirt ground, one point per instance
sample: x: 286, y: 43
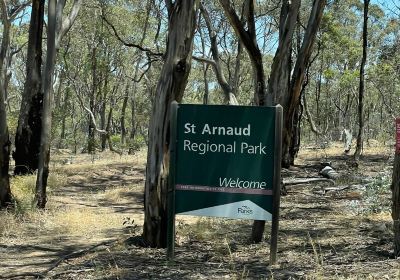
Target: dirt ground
x: 93, y: 223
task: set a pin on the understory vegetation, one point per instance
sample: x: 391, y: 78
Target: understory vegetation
x: 339, y: 232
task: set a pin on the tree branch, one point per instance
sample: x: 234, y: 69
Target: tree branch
x: 391, y: 111
x: 17, y: 10
x: 227, y: 89
x: 310, y: 118
x: 115, y: 32
x: 238, y: 27
x: 66, y: 24
x: 305, y: 53
x: 204, y: 60
x: 93, y: 121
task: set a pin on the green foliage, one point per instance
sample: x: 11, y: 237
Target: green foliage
x: 12, y: 122
x: 115, y: 140
x: 137, y: 143
x: 93, y: 64
x: 23, y: 190
x: 377, y: 195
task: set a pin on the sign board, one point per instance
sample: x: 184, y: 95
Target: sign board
x: 225, y: 162
x: 397, y: 135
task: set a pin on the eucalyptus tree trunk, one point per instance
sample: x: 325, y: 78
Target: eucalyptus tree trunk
x: 297, y: 80
x: 361, y: 88
x: 236, y: 75
x: 278, y: 84
x: 27, y: 138
x: 170, y: 87
x: 103, y: 88
x: 56, y: 28
x: 91, y: 144
x: 226, y: 87
x: 205, y: 66
x: 5, y: 192
x: 44, y: 156
x: 132, y: 88
x: 248, y: 38
x: 123, y: 113
x: 281, y: 65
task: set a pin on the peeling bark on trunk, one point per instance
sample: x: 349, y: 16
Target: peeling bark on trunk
x: 27, y: 138
x: 279, y: 81
x: 298, y: 79
x: 170, y: 87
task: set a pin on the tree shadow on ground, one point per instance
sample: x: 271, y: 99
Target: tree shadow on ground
x: 315, y: 241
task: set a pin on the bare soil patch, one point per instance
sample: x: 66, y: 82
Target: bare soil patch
x: 95, y: 219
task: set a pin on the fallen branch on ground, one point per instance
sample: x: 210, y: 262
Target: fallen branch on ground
x: 76, y: 254
x: 300, y: 181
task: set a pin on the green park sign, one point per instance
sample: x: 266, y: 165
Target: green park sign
x: 225, y: 161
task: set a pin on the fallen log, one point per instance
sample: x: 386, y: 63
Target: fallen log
x: 300, y: 181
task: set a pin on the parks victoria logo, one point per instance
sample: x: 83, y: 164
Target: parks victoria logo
x: 245, y: 210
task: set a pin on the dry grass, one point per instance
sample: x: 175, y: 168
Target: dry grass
x: 87, y: 163
x: 86, y: 222
x: 337, y: 149
x: 322, y: 236
x: 23, y: 189
x: 60, y: 216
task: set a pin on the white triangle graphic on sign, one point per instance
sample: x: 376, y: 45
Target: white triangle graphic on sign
x: 245, y: 209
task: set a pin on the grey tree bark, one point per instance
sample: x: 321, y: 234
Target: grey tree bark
x: 248, y: 38
x: 64, y: 24
x: 55, y: 30
x: 5, y: 192
x: 91, y: 144
x: 123, y: 112
x: 206, y: 93
x: 44, y: 155
x: 170, y: 87
x: 27, y: 138
x: 361, y: 89
x: 279, y: 80
x: 216, y: 64
x: 297, y: 79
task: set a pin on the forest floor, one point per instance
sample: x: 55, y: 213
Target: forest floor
x: 95, y: 216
